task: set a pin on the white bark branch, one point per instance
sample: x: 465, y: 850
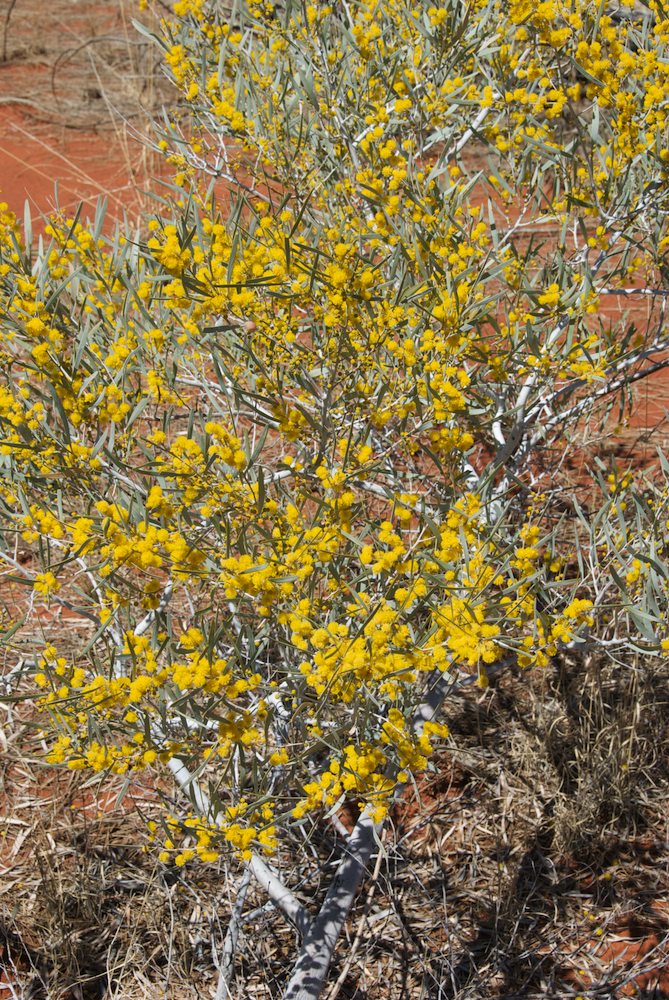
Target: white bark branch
x: 310, y: 970
x: 517, y: 432
x: 606, y: 390
x: 280, y: 895
x: 227, y: 963
x: 313, y: 962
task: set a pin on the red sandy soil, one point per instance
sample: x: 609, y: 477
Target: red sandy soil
x: 76, y: 81
x: 60, y: 169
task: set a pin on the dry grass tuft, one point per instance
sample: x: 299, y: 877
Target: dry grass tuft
x: 534, y: 861
x: 79, y: 65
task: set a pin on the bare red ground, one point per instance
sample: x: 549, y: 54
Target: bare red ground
x: 61, y: 169
x: 75, y: 82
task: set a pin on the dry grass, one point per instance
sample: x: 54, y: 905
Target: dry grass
x: 532, y: 861
x: 79, y: 65
x: 539, y: 841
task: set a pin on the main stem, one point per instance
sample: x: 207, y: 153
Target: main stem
x: 311, y: 969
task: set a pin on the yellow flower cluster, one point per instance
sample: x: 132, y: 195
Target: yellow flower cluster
x: 202, y: 838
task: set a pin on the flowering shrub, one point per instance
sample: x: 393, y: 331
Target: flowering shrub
x: 292, y: 451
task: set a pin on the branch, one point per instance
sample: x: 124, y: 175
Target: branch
x: 281, y: 896
x: 517, y: 432
x: 341, y: 979
x: 613, y: 386
x: 226, y: 966
x: 315, y: 955
x: 652, y: 292
x: 656, y: 347
x: 468, y: 134
x: 313, y: 962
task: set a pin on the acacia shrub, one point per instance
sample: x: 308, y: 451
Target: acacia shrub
x: 284, y: 450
